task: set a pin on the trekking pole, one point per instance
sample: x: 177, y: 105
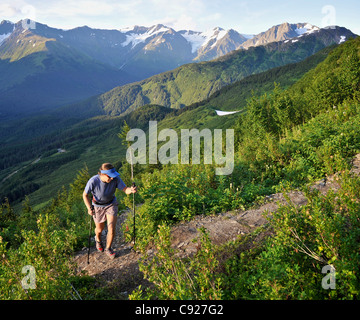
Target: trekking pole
x: 133, y: 184
x: 91, y: 218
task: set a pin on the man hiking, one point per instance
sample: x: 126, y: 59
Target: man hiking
x: 103, y: 206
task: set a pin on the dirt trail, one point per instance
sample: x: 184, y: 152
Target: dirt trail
x: 123, y: 275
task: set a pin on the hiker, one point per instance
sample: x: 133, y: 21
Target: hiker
x: 103, y: 206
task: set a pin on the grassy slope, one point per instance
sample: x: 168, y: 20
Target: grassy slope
x: 40, y: 73
x: 235, y: 96
x: 195, y: 82
x: 94, y: 141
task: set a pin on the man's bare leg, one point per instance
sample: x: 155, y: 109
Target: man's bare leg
x: 111, y: 224
x: 99, y: 227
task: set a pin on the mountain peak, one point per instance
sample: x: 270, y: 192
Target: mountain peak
x: 6, y: 28
x: 281, y: 32
x: 6, y: 22
x: 218, y: 29
x: 142, y: 34
x: 158, y: 27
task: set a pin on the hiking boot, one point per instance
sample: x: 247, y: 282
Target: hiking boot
x: 110, y: 252
x: 99, y: 245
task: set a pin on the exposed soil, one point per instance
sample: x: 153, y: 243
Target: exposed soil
x: 121, y: 275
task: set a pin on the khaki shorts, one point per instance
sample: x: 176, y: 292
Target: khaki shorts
x: 102, y: 212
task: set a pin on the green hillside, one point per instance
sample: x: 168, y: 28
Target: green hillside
x: 235, y: 96
x: 40, y: 168
x: 40, y: 137
x: 39, y: 73
x: 195, y: 82
x: 285, y: 140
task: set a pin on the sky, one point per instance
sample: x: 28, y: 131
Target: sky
x: 247, y: 17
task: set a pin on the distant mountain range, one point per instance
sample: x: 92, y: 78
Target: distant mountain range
x: 45, y: 67
x: 38, y: 72
x: 194, y: 82
x: 146, y: 51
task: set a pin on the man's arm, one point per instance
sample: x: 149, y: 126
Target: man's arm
x: 88, y: 203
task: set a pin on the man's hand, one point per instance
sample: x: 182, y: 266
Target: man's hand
x: 88, y: 204
x: 130, y: 190
x: 133, y: 188
x: 91, y: 210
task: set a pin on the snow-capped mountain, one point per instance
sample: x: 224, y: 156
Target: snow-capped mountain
x: 139, y: 51
x: 38, y: 71
x: 167, y: 49
x: 282, y: 32
x: 68, y: 65
x: 199, y: 41
x: 213, y: 43
x: 143, y: 52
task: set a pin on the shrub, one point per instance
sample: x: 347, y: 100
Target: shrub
x: 179, y: 279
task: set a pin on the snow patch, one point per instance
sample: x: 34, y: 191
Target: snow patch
x: 4, y: 36
x: 195, y: 39
x: 218, y: 37
x: 307, y: 29
x: 136, y: 38
x: 342, y: 39
x: 225, y: 113
x: 201, y: 39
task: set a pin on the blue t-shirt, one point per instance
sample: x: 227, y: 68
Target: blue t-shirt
x: 103, y: 193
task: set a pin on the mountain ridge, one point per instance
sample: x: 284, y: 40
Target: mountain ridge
x: 135, y: 46
x: 39, y: 73
x: 94, y: 61
x: 194, y: 82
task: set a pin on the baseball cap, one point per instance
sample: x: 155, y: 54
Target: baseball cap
x: 112, y: 173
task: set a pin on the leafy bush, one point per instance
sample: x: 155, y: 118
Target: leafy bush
x: 178, y: 193
x: 44, y: 241
x: 324, y: 232
x: 47, y: 251
x: 178, y: 279
x: 283, y: 260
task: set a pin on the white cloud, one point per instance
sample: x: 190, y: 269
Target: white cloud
x: 183, y: 22
x: 249, y: 16
x: 66, y: 14
x: 211, y: 21
x: 178, y: 7
x: 70, y: 13
x: 16, y: 10
x: 72, y: 8
x: 7, y: 10
x: 182, y: 14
